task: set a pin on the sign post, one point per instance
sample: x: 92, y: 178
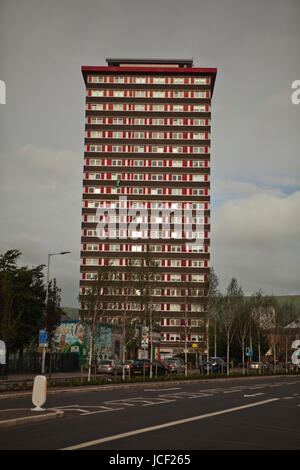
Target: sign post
x: 43, y: 343
x: 2, y: 353
x: 2, y: 358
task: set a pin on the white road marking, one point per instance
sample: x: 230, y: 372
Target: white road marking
x: 159, y: 402
x: 102, y: 411
x: 119, y: 402
x: 165, y: 425
x: 123, y: 403
x: 253, y: 395
x: 85, y: 412
x: 161, y: 389
x: 254, y: 387
x: 69, y: 408
x: 135, y: 401
x: 173, y: 395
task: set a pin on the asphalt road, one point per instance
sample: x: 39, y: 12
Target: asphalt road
x: 238, y: 414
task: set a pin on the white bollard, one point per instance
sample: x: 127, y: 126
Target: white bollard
x: 39, y: 392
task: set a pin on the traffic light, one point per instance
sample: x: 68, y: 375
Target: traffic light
x: 247, y: 351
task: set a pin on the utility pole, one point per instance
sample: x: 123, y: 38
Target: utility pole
x: 124, y: 341
x: 185, y: 342
x: 207, y: 343
x: 151, y: 340
x: 215, y: 340
x: 185, y: 337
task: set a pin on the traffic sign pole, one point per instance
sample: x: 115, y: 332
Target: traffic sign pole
x: 43, y: 359
x: 43, y: 343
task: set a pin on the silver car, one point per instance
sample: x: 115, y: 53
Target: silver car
x: 109, y: 366
x: 256, y: 366
x: 176, y: 364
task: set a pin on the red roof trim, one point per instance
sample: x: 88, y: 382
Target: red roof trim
x: 182, y: 70
x: 149, y: 69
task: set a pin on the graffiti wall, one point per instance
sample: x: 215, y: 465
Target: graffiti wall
x: 74, y: 337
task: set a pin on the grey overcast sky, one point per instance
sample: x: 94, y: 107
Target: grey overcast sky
x: 255, y: 46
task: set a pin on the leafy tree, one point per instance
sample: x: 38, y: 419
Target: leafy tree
x: 8, y: 319
x: 228, y: 308
x: 148, y: 277
x: 8, y: 261
x: 22, y: 296
x: 92, y: 307
x: 283, y: 313
x: 243, y: 325
x: 212, y: 305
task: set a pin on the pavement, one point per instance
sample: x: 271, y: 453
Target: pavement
x: 20, y: 416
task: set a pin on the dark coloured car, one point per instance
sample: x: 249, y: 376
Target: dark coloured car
x: 166, y: 364
x: 142, y: 366
x: 215, y: 364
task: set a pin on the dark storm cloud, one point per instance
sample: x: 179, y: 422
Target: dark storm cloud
x: 255, y: 127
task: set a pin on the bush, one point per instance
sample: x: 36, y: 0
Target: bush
x: 18, y: 386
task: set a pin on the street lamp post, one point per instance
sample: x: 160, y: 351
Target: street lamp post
x: 47, y: 297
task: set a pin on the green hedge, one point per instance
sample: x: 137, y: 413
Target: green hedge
x: 118, y: 380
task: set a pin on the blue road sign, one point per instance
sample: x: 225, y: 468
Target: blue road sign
x: 43, y: 338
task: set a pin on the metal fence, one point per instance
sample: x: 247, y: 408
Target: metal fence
x: 56, y: 362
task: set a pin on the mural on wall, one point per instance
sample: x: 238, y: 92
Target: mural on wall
x: 74, y: 337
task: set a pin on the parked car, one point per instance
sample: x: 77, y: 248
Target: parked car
x: 109, y: 366
x: 129, y: 364
x: 256, y: 366
x: 166, y: 364
x: 176, y: 365
x: 140, y: 365
x: 292, y: 366
x: 215, y: 364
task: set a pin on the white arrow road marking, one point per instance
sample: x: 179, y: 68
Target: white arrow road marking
x: 166, y: 425
x: 85, y: 412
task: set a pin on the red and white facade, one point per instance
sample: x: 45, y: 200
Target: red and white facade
x: 148, y: 127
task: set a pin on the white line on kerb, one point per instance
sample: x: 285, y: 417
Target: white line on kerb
x: 165, y: 425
